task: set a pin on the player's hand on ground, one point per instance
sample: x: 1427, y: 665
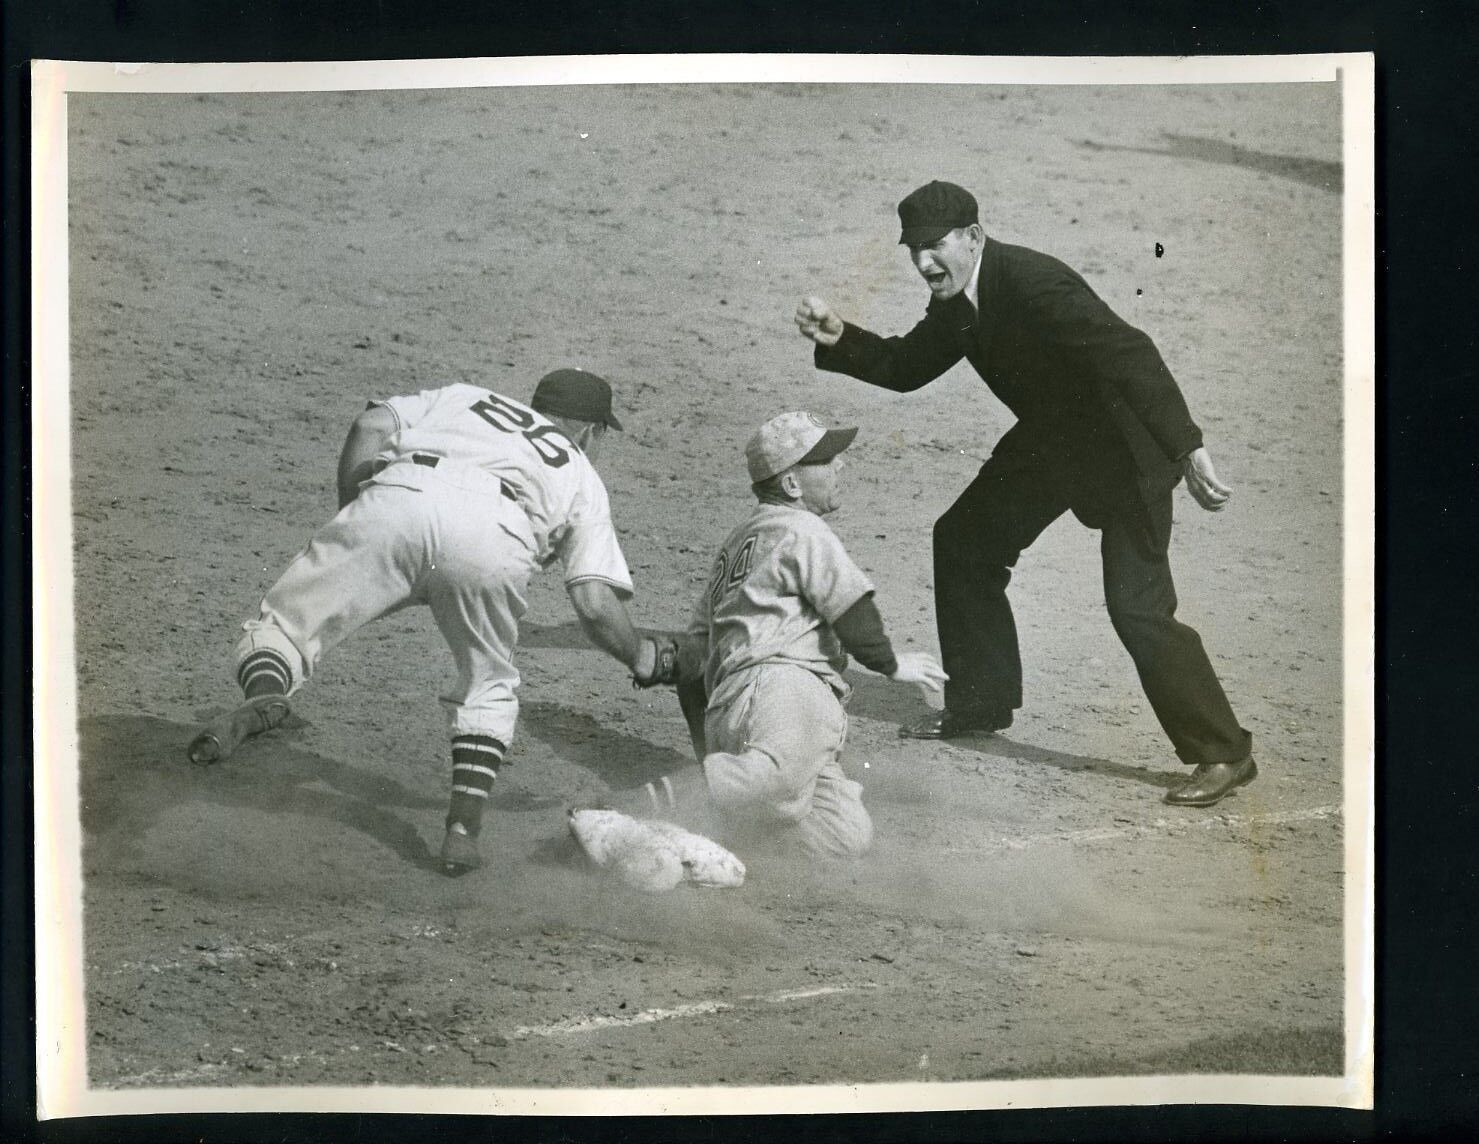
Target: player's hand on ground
x: 1202, y: 482
x: 817, y: 321
x: 920, y: 668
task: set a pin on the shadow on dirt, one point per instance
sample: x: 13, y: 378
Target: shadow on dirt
x: 563, y: 851
x: 874, y: 697
x: 1318, y: 173
x: 133, y: 769
x: 566, y: 635
x: 1002, y: 746
x: 623, y: 761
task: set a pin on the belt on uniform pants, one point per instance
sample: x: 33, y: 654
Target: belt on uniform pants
x: 431, y: 462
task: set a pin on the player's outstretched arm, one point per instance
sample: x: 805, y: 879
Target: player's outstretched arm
x: 860, y: 629
x: 653, y: 660
x: 367, y: 436
x: 604, y: 619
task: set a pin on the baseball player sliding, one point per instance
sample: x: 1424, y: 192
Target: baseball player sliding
x: 452, y: 498
x: 762, y: 659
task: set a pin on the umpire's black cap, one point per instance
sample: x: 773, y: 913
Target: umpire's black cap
x: 575, y: 393
x: 933, y: 211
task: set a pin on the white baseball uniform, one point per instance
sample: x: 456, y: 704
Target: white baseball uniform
x: 775, y: 723
x: 470, y: 494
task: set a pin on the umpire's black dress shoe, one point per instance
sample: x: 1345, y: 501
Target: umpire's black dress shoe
x: 1212, y: 782
x: 947, y: 724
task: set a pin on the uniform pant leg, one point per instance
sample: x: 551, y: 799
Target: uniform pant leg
x: 476, y: 592
x: 839, y: 825
x: 361, y: 565
x: 1177, y: 676
x: 976, y: 543
x: 773, y: 762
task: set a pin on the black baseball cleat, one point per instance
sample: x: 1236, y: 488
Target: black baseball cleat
x: 227, y: 733
x: 1210, y: 783
x: 459, y: 852
x: 947, y: 724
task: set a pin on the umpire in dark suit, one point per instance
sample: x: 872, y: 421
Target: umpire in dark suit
x: 1102, y: 430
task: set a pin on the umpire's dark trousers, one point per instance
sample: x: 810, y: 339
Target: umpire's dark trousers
x: 976, y: 544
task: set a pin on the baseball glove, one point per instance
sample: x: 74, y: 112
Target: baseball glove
x: 657, y: 662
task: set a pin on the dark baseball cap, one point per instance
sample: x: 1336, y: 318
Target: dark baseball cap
x: 933, y: 211
x: 575, y: 393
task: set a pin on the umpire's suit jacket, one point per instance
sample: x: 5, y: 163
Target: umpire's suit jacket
x: 1093, y: 399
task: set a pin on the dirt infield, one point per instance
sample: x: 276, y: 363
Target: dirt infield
x: 246, y: 270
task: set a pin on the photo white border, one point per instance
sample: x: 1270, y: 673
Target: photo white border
x: 62, y: 1089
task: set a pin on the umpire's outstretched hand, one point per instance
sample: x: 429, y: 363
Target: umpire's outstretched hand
x: 1202, y: 482
x: 817, y: 321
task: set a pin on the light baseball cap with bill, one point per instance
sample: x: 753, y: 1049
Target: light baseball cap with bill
x: 796, y: 438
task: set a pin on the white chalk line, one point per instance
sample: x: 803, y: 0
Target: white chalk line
x: 597, y: 1022
x: 163, y: 1078
x: 1159, y: 826
x: 571, y: 1026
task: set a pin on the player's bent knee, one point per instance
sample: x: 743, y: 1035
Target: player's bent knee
x: 839, y: 824
x: 857, y: 843
x: 752, y: 787
x: 756, y: 805
x: 839, y: 836
x: 733, y: 780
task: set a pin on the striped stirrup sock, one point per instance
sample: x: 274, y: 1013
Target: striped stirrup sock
x: 475, y: 763
x: 264, y: 672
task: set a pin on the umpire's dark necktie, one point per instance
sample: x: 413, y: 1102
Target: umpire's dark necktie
x: 967, y: 321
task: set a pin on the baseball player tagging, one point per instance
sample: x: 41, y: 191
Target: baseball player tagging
x: 452, y: 498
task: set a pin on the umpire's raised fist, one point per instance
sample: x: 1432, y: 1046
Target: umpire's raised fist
x: 816, y: 320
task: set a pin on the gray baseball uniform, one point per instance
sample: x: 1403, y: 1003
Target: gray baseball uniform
x: 773, y: 666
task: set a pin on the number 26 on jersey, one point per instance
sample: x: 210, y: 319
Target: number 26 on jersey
x: 544, y: 439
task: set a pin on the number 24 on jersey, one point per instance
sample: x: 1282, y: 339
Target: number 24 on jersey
x: 730, y: 575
